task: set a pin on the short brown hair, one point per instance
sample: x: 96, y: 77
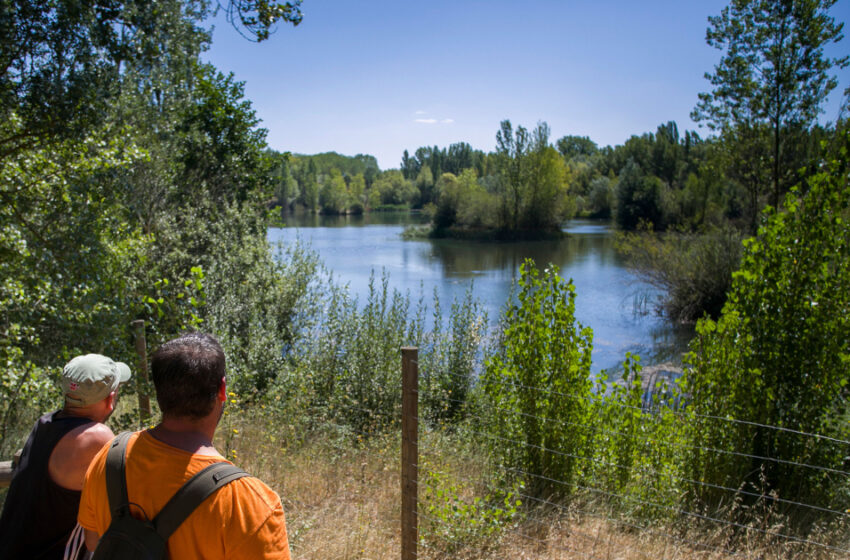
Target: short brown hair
x: 187, y: 375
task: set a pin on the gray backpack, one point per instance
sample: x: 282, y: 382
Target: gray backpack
x: 135, y: 539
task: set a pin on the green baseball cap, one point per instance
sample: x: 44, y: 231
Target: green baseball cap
x: 89, y: 379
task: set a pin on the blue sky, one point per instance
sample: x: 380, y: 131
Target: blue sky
x: 382, y: 76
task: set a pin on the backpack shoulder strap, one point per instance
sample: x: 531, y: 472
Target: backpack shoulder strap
x: 192, y: 493
x: 116, y: 480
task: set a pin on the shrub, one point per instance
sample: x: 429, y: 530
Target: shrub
x: 779, y: 355
x: 449, y: 360
x: 693, y: 270
x: 537, y: 385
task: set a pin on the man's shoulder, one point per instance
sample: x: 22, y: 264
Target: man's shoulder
x: 94, y: 435
x: 73, y: 454
x: 83, y: 443
x: 250, y: 490
x: 255, y: 524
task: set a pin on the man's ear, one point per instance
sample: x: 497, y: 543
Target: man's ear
x: 222, y: 390
x: 110, y: 401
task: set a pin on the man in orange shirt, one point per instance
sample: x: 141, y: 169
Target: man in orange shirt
x: 241, y: 520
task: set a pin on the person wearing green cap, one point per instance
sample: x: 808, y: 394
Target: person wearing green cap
x: 40, y: 511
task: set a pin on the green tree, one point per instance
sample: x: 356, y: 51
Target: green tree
x: 357, y: 192
x: 770, y: 83
x: 255, y: 19
x: 408, y: 166
x: 394, y: 189
x: 511, y: 149
x: 425, y: 183
x: 545, y: 202
x: 601, y: 199
x: 779, y: 355
x: 286, y: 187
x: 61, y: 63
x: 123, y: 163
x: 573, y: 146
x: 538, y: 385
x: 639, y: 198
x: 334, y: 196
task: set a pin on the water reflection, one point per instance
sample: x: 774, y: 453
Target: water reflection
x: 469, y: 258
x: 609, y: 298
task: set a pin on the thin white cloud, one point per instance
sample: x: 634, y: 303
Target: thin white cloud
x: 431, y: 120
x: 419, y: 112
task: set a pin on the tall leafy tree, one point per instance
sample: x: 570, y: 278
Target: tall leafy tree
x: 60, y: 61
x: 638, y: 199
x: 779, y: 355
x: 511, y: 151
x: 771, y: 82
x: 572, y: 146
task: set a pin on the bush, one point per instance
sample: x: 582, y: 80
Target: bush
x: 537, y: 386
x: 694, y: 270
x: 347, y: 366
x: 779, y: 355
x: 449, y: 360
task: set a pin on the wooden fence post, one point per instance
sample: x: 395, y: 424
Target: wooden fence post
x: 409, y: 451
x: 142, y: 371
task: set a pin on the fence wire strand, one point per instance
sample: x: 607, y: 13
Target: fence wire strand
x: 642, y: 528
x: 649, y: 439
x: 573, y: 456
x: 680, y: 414
x: 702, y: 517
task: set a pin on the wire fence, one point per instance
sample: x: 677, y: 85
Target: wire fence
x: 630, y: 481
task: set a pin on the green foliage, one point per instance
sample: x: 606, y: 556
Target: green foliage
x: 66, y: 260
x: 258, y: 300
x: 778, y: 355
x: 454, y: 159
x: 96, y: 232
x: 449, y: 360
x: 639, y: 199
x: 463, y: 202
x: 392, y: 188
x: 343, y: 366
x: 538, y: 383
x: 634, y: 451
x: 331, y: 183
x: 221, y: 148
x: 572, y: 146
x: 601, y: 198
x: 692, y: 270
x: 532, y: 178
x: 334, y: 197
x: 351, y: 359
x: 527, y: 192
x: 457, y: 518
x: 770, y: 84
x: 256, y: 19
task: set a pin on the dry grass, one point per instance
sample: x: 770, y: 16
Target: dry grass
x: 342, y: 501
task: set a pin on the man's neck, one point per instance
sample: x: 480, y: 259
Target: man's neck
x: 188, y: 435
x: 71, y: 412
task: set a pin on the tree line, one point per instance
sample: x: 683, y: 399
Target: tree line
x: 769, y: 89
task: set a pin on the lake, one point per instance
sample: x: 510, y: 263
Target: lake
x: 609, y: 298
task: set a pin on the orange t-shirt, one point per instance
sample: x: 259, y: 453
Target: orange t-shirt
x: 243, y: 519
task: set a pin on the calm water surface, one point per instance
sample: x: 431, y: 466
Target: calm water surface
x: 609, y: 299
